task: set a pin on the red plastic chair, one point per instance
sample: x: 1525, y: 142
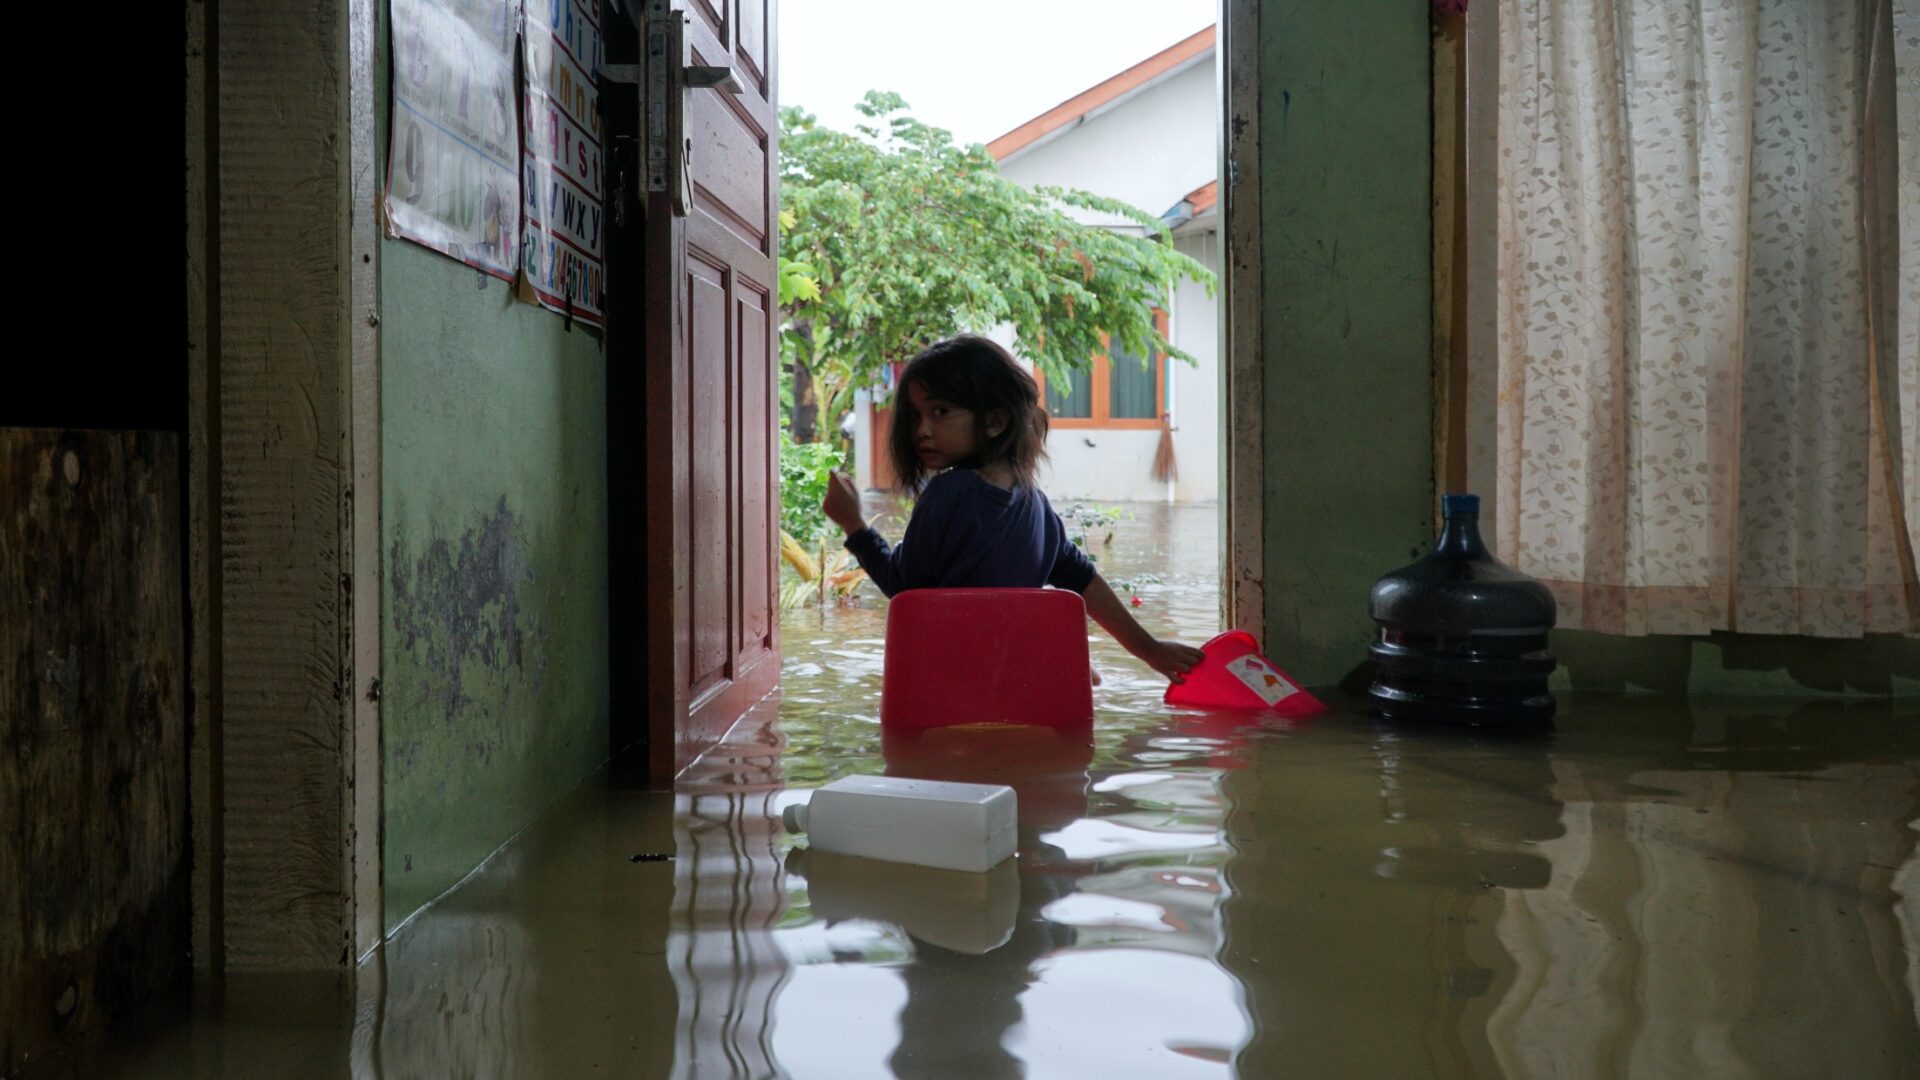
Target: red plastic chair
x: 986, y: 656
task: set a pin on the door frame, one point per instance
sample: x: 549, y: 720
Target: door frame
x: 283, y: 486
x: 1242, y: 377
x: 630, y: 589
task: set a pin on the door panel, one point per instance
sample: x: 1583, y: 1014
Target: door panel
x: 756, y: 29
x: 759, y: 572
x: 712, y: 402
x: 709, y: 533
x: 711, y: 16
x: 730, y: 174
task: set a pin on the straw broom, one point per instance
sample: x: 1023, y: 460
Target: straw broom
x: 1165, y: 468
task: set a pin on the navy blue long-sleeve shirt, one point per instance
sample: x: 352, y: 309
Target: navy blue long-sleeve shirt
x: 967, y: 533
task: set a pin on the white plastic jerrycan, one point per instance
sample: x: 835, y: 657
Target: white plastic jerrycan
x: 924, y: 822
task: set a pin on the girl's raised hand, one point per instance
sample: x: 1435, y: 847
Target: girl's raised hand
x: 842, y: 504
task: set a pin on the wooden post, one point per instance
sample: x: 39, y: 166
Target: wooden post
x: 1449, y: 255
x: 1479, y: 259
x: 283, y: 522
x: 93, y: 765
x: 1243, y: 593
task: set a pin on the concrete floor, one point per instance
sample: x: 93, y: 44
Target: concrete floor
x: 1659, y: 887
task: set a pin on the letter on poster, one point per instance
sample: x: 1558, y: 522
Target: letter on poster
x: 561, y: 265
x: 452, y: 177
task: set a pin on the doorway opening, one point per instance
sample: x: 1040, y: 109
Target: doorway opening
x: 1101, y: 223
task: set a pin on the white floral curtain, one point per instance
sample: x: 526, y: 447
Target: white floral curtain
x: 1708, y: 409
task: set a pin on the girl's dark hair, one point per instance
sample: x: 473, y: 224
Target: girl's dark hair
x: 981, y: 376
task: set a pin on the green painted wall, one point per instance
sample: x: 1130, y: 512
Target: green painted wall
x: 493, y: 497
x: 1345, y: 187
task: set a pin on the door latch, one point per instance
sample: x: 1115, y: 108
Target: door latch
x: 664, y: 77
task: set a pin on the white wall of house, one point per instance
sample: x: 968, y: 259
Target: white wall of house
x: 1116, y: 465
x: 1194, y: 322
x: 1148, y: 149
x: 1102, y: 465
x: 862, y: 439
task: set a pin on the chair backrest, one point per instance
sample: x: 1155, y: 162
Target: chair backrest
x: 974, y: 656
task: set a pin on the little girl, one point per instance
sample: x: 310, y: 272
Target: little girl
x: 968, y: 436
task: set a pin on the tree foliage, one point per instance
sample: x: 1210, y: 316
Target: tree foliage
x: 907, y: 238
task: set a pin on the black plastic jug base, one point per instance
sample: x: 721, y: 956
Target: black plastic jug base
x: 1532, y: 711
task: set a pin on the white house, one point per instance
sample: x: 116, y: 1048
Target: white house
x: 1147, y: 136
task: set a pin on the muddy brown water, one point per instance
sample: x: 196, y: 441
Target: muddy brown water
x: 1659, y: 887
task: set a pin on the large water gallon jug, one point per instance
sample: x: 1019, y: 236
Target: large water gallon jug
x: 1463, y: 638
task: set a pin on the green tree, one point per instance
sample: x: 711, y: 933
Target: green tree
x: 908, y: 238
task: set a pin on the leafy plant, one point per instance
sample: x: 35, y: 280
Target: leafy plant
x: 1134, y: 583
x: 797, y: 281
x: 909, y: 238
x: 1090, y: 523
x: 834, y: 577
x: 805, y: 469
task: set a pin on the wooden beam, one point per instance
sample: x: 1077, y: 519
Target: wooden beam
x: 361, y: 504
x: 93, y: 780
x: 205, y: 756
x: 1243, y: 594
x: 284, y: 522
x: 1449, y: 256
x: 1479, y: 236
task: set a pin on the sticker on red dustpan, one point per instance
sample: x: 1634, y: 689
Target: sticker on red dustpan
x: 1259, y: 677
x: 1235, y: 676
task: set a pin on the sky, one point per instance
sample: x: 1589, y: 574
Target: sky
x: 978, y: 68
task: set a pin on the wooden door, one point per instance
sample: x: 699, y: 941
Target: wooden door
x: 712, y: 455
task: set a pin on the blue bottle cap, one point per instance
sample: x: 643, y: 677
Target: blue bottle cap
x: 1459, y: 504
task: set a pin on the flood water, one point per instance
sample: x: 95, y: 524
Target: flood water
x: 1659, y: 887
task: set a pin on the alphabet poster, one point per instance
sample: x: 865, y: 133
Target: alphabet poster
x: 561, y: 264
x: 453, y: 158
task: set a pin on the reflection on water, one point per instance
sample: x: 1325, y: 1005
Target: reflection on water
x: 820, y: 965
x: 1658, y: 888
x: 729, y: 898
x: 1093, y: 953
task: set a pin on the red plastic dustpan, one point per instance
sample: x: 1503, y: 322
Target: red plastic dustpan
x: 1235, y: 676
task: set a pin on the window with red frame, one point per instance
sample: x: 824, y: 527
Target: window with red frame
x: 1119, y: 390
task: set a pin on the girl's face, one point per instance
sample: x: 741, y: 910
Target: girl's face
x: 944, y: 434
